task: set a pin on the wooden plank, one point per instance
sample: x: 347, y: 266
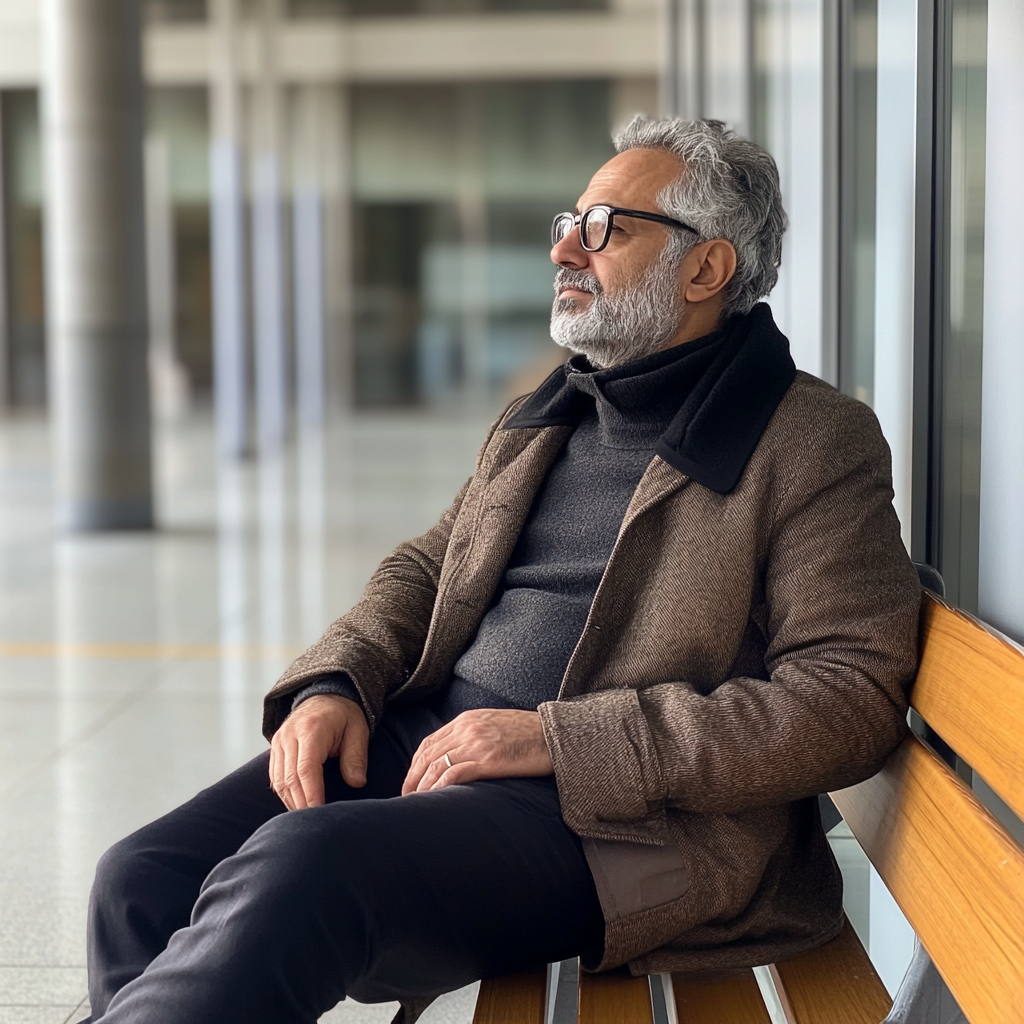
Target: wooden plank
x: 614, y: 998
x: 970, y: 689
x: 729, y: 997
x: 955, y: 872
x: 834, y: 984
x: 514, y: 999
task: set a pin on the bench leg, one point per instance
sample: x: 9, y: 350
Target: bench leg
x: 923, y: 997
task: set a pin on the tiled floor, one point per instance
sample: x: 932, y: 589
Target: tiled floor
x: 132, y: 666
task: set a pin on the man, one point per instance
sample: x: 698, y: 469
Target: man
x: 589, y: 711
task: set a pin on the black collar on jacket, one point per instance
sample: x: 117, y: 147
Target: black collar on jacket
x: 721, y: 419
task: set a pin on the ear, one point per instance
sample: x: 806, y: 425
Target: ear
x: 712, y: 265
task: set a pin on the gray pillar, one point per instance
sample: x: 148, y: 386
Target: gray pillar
x: 270, y: 330
x: 227, y: 236
x: 308, y: 291
x: 96, y: 276
x: 5, y: 306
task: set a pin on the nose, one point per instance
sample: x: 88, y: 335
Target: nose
x: 569, y: 252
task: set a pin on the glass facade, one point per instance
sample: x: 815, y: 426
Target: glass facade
x: 952, y: 523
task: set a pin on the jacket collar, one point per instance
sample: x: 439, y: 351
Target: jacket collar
x: 719, y: 423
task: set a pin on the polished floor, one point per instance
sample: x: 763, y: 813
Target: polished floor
x: 132, y: 666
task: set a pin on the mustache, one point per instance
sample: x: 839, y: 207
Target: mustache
x: 581, y: 279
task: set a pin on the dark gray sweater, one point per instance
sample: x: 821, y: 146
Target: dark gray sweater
x: 525, y: 640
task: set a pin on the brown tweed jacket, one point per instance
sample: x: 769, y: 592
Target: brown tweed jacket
x: 744, y: 652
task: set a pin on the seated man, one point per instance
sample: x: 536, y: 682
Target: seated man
x: 589, y: 712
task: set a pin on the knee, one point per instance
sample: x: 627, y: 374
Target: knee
x: 140, y: 868
x: 119, y: 870
x: 293, y: 858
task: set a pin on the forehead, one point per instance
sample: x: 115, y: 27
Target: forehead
x: 632, y: 179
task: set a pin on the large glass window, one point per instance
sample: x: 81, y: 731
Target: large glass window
x: 950, y: 535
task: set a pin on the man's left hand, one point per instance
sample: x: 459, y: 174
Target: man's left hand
x: 482, y: 744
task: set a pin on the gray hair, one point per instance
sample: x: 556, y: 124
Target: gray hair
x: 729, y: 188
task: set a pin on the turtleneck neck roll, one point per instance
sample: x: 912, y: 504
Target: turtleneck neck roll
x: 636, y: 401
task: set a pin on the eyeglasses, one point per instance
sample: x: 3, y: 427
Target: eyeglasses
x: 596, y: 224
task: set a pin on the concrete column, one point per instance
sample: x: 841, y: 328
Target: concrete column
x: 308, y: 291
x: 339, y: 287
x: 96, y: 266
x: 269, y: 305
x: 5, y: 306
x: 227, y: 236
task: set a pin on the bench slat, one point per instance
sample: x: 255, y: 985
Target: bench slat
x: 970, y: 690
x: 729, y: 998
x: 955, y: 872
x: 514, y: 999
x: 834, y: 984
x: 614, y: 999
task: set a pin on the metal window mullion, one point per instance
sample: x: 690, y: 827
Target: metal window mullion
x: 922, y: 527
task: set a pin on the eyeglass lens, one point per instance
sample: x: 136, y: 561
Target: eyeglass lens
x: 593, y: 228
x: 561, y: 227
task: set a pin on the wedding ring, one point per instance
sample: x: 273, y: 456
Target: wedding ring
x: 448, y: 761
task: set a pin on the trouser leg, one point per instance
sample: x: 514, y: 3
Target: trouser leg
x: 146, y: 885
x: 381, y: 899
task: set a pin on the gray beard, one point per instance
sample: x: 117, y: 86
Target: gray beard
x: 633, y: 323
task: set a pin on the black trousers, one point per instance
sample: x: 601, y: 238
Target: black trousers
x: 230, y: 909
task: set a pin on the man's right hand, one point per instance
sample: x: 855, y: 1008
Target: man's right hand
x: 320, y: 727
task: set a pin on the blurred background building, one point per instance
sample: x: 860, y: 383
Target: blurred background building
x: 345, y: 233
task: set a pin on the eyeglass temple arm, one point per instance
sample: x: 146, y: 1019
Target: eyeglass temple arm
x: 656, y: 217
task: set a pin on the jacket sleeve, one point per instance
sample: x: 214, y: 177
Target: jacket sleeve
x: 842, y: 600
x: 379, y: 642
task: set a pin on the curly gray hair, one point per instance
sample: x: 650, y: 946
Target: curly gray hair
x: 729, y: 188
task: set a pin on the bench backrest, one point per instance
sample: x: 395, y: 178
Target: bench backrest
x: 955, y: 872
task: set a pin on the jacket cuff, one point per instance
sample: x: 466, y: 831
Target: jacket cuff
x: 338, y: 684
x: 606, y: 765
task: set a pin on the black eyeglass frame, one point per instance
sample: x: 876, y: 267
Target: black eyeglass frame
x: 578, y: 220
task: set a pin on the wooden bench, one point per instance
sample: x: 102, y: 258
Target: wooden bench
x: 955, y: 872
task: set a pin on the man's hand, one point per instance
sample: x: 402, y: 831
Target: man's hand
x: 320, y: 727
x: 482, y: 744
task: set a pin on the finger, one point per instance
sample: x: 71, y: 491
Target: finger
x: 421, y: 761
x: 353, y: 754
x: 442, y: 772
x: 430, y: 749
x: 433, y: 772
x: 309, y: 769
x: 281, y: 739
x: 464, y: 771
x: 292, y: 782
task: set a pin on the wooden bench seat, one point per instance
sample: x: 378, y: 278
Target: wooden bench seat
x: 953, y: 869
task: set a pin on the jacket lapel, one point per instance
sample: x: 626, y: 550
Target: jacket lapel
x: 485, y: 532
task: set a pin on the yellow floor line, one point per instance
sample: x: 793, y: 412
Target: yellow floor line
x: 145, y: 652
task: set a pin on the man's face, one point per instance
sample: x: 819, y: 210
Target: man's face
x: 625, y: 301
